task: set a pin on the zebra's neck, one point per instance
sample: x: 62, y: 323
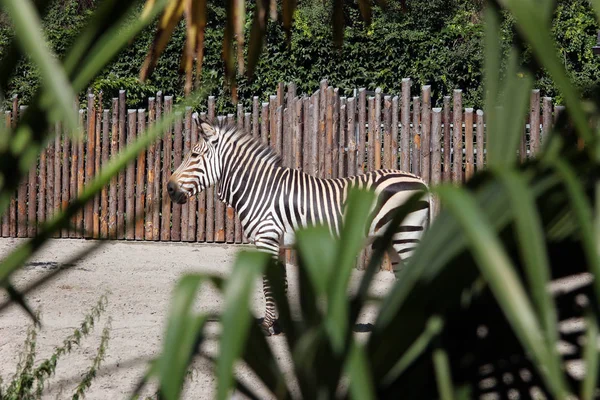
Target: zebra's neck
x: 242, y: 159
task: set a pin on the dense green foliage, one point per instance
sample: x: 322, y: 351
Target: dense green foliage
x: 435, y: 42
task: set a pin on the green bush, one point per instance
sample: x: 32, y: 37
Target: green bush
x: 435, y: 42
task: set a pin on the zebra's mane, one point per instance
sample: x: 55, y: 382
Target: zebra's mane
x: 242, y: 139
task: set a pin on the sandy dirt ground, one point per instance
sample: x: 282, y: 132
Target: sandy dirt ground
x: 138, y: 279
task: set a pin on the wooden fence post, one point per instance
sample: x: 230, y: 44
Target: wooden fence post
x: 329, y: 133
x: 416, y: 153
x: 351, y: 135
x: 122, y: 134
x: 395, y: 111
x: 405, y: 131
x: 534, y: 122
x: 140, y: 191
x: 177, y: 148
x: 457, y: 137
x: 469, y: 160
x: 48, y: 198
x: 387, y: 132
x: 425, y: 133
x: 480, y: 140
x: 377, y: 130
x: 57, y: 173
x: 41, y: 180
x: 8, y: 216
x: 201, y: 224
x: 104, y: 195
x: 362, y: 131
x: 341, y: 151
x: 230, y: 212
x: 447, y: 146
x: 130, y: 180
x: 80, y: 170
x: 90, y: 156
x: 97, y: 160
x: 547, y: 118
x: 150, y: 170
x: 66, y: 160
x: 371, y: 134
x: 165, y: 220
x: 436, y: 154
x: 114, y: 150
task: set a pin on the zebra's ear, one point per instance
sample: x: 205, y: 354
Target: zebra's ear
x: 205, y: 129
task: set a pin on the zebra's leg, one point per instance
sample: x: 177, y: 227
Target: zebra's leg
x: 270, y: 245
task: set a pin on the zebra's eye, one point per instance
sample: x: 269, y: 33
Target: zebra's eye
x: 195, y: 154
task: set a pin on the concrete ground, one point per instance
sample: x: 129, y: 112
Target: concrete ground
x: 138, y: 279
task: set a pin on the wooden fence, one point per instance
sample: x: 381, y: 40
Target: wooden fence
x: 325, y: 134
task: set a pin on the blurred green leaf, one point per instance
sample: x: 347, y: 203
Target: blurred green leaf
x: 590, y: 357
x: 530, y: 235
x: 182, y: 337
x: 502, y: 278
x: 236, y: 316
x: 359, y: 374
x: 352, y: 238
x: 318, y: 249
x: 443, y: 374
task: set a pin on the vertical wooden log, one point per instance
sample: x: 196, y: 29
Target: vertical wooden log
x: 210, y: 195
x: 177, y: 148
x: 104, y: 194
x: 426, y: 133
x: 201, y: 224
x: 165, y: 218
x: 230, y: 212
x: 97, y: 160
x: 469, y: 159
x: 31, y: 201
x: 447, y: 146
x: 157, y: 172
x: 405, y: 131
x: 280, y: 94
x: 41, y: 182
x: 273, y: 122
x: 114, y: 150
x: 287, y: 140
x: 371, y: 135
x: 377, y: 129
x: 73, y: 173
x: 362, y: 132
x: 80, y: 173
x: 51, y: 155
x: 547, y: 118
x: 57, y: 172
x: 457, y: 138
x: 150, y: 170
x: 322, y: 110
x: 314, y: 142
x: 416, y: 153
x: 279, y: 130
x: 436, y: 153
x: 328, y: 133
x: 341, y: 167
x: 122, y: 136
x: 351, y: 135
x: 186, y: 214
x: 534, y: 122
x: 395, y: 162
x: 140, y: 190
x: 255, y: 117
x: 14, y: 205
x: 22, y: 202
x: 66, y: 159
x: 480, y: 140
x: 6, y: 217
x: 335, y: 154
x: 306, y: 135
x: 264, y: 123
x: 387, y: 132
x: 90, y: 163
x: 298, y: 134
x: 130, y: 180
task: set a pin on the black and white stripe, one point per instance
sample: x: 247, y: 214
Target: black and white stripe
x: 273, y: 201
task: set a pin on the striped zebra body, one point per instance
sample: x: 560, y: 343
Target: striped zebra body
x: 272, y: 201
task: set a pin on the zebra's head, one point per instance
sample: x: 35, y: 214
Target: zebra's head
x: 200, y: 168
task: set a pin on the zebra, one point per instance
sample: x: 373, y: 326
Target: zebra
x: 273, y: 201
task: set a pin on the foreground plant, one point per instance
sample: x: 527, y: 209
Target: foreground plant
x: 29, y: 380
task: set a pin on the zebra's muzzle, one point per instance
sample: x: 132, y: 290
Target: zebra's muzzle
x: 176, y: 194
